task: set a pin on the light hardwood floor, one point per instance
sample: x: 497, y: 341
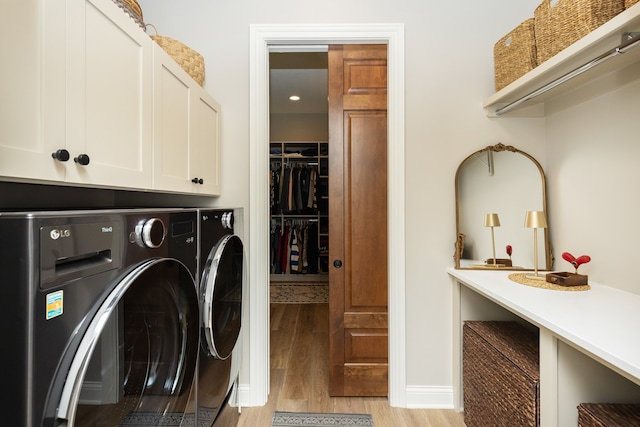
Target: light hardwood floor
x: 300, y: 379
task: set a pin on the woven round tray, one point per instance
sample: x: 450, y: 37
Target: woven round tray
x: 523, y: 280
x: 188, y: 59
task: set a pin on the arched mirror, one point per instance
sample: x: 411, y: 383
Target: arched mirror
x: 505, y: 181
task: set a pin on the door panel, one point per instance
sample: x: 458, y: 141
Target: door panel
x: 358, y: 220
x: 366, y: 231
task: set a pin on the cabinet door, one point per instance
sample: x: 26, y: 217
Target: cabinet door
x: 206, y: 144
x: 109, y: 100
x: 172, y: 144
x: 186, y: 131
x: 25, y: 148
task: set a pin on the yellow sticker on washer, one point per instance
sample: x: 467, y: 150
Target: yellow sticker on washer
x: 55, y: 304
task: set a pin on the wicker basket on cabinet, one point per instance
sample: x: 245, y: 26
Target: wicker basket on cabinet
x: 629, y: 3
x: 133, y: 9
x: 559, y: 26
x: 188, y: 59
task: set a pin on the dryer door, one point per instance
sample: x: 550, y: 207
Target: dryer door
x: 222, y: 297
x: 136, y: 362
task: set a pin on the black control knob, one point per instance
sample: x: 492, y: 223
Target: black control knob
x: 61, y: 155
x: 197, y: 180
x: 150, y: 233
x: 337, y: 263
x: 82, y: 159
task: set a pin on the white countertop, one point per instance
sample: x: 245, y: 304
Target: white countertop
x: 602, y: 321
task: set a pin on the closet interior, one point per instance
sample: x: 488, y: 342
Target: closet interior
x: 299, y: 165
x: 299, y: 208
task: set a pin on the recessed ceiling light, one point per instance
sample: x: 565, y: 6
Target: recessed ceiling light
x: 294, y: 98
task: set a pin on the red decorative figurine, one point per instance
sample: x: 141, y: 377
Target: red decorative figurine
x: 509, y: 250
x: 576, y: 262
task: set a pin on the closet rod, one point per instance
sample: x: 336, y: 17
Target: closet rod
x: 630, y: 40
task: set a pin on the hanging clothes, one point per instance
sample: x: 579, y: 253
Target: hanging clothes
x: 274, y: 189
x: 294, y: 190
x: 294, y: 247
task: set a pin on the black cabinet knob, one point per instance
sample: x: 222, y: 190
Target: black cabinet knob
x: 337, y: 263
x: 82, y: 159
x: 197, y: 180
x: 61, y: 155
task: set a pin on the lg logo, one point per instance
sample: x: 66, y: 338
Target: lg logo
x: 56, y: 234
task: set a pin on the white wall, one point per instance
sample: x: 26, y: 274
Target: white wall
x: 594, y: 201
x: 449, y: 70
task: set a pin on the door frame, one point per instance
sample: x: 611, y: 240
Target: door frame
x: 262, y: 36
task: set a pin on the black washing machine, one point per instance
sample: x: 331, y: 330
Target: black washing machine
x: 100, y: 318
x: 220, y: 274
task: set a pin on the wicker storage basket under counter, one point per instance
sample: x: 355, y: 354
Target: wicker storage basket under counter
x: 514, y: 55
x: 608, y: 415
x: 559, y: 26
x: 629, y: 3
x: 501, y: 374
x: 188, y: 59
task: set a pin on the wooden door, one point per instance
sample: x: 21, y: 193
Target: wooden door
x: 358, y: 336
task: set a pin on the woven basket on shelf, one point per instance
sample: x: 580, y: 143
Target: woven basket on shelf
x: 559, y: 26
x: 190, y: 60
x: 501, y: 374
x: 133, y: 9
x: 629, y: 3
x: 515, y: 54
x: 608, y: 415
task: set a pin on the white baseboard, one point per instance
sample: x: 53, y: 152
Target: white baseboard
x: 429, y: 397
x: 244, y: 396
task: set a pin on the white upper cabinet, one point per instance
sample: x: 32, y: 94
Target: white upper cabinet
x: 589, y: 81
x: 25, y: 152
x: 79, y: 89
x: 79, y: 105
x: 109, y: 95
x: 186, y: 131
x: 206, y: 144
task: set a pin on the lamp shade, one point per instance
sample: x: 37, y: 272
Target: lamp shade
x: 535, y: 219
x: 491, y: 220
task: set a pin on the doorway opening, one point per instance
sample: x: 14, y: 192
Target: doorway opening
x: 299, y: 167
x: 299, y: 225
x: 255, y: 390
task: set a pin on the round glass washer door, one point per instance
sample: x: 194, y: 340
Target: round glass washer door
x: 136, y: 362
x: 222, y: 297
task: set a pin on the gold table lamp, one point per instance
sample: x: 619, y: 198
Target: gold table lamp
x: 492, y: 220
x: 535, y: 220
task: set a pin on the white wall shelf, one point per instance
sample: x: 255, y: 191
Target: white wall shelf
x: 607, y: 76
